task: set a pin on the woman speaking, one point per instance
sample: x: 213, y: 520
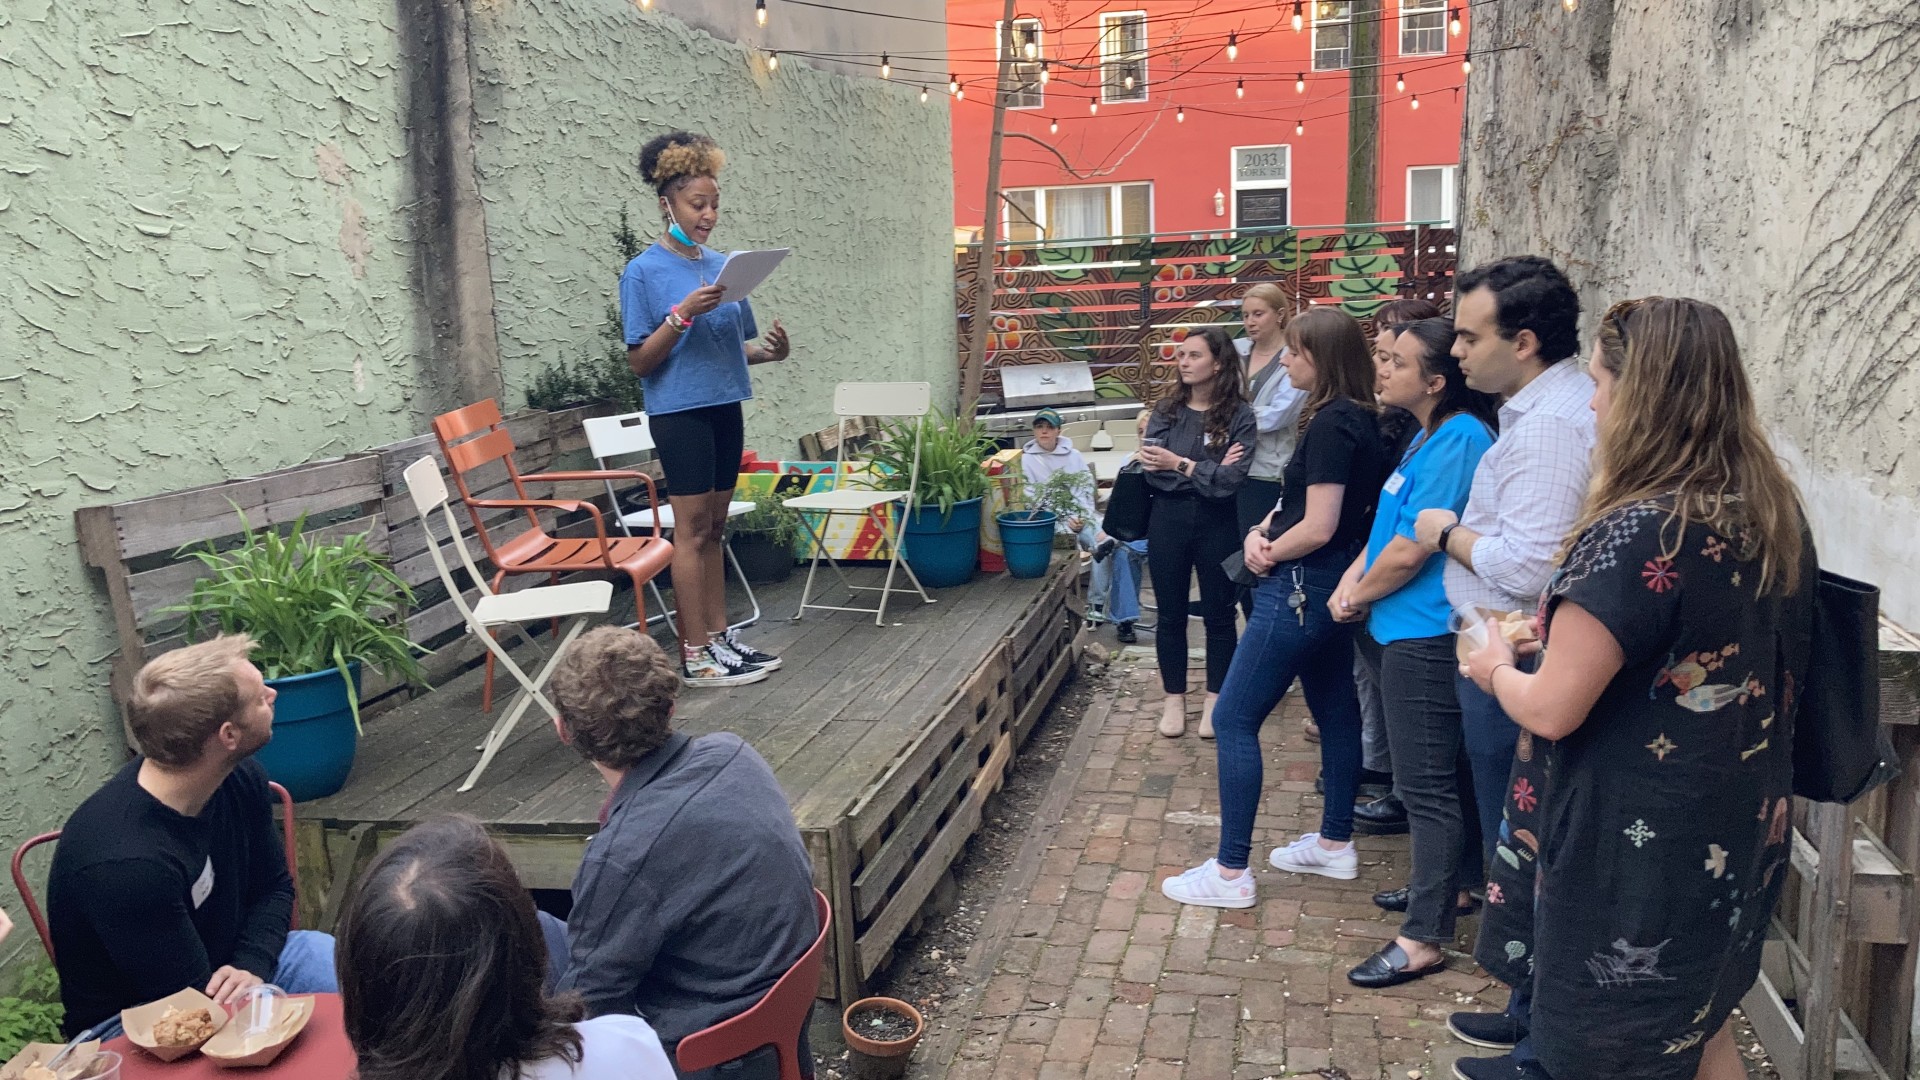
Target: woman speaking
x: 689, y: 346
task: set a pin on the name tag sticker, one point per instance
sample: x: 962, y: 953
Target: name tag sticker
x: 204, y: 887
x: 1395, y: 483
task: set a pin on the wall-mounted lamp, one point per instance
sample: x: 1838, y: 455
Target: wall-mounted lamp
x: 1219, y: 203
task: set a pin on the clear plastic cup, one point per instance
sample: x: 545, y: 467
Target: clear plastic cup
x: 1145, y: 441
x: 103, y: 1065
x: 260, y: 1009
x: 1469, y: 625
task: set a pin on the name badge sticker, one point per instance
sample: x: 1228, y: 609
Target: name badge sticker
x: 1395, y: 483
x: 203, y: 888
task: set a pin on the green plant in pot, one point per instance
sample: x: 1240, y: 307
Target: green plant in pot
x: 940, y: 535
x: 318, y: 611
x: 763, y: 540
x: 1028, y: 526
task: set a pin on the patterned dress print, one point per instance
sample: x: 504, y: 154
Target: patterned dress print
x: 1662, y: 837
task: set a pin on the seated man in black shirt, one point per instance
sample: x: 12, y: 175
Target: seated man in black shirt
x: 174, y: 875
x: 696, y: 896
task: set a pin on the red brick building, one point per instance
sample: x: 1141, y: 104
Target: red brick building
x: 1164, y: 116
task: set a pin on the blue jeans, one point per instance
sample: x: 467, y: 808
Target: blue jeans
x: 1277, y: 648
x: 1489, y: 737
x: 1087, y: 539
x: 1127, y: 562
x: 305, y: 967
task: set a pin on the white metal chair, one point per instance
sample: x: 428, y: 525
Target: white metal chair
x: 630, y: 433
x: 542, y: 603
x: 883, y: 399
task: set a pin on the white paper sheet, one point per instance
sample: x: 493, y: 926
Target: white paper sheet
x: 745, y: 270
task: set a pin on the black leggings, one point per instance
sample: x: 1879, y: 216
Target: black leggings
x: 700, y: 448
x: 1185, y: 537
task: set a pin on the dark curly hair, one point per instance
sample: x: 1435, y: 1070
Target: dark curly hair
x: 615, y: 691
x: 1529, y: 293
x: 670, y: 160
x: 443, y: 966
x: 1229, y: 390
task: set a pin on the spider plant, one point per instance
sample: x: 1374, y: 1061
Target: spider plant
x: 953, y: 452
x: 310, y: 604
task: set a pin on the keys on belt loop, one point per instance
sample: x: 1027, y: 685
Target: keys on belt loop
x: 1297, y: 599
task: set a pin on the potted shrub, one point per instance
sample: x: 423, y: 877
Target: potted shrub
x: 940, y: 536
x: 317, y: 610
x: 763, y: 540
x: 1028, y: 525
x: 881, y: 1033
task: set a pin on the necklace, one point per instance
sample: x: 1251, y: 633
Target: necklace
x: 698, y: 258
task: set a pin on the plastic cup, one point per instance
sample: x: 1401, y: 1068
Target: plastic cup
x: 1469, y: 625
x: 1145, y: 442
x: 104, y: 1065
x: 261, y: 1008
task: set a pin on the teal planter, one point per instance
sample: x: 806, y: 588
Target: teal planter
x: 314, y: 739
x: 942, y: 550
x: 1026, y: 538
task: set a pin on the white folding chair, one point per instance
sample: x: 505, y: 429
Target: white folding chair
x: 618, y: 436
x: 883, y: 399
x: 542, y: 603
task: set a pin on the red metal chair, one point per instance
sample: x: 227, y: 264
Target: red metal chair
x: 773, y: 1021
x: 40, y: 920
x: 474, y: 437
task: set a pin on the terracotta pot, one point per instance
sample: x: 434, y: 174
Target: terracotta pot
x: 872, y: 1060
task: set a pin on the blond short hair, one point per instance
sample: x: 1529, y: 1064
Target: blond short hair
x: 182, y: 697
x: 615, y: 691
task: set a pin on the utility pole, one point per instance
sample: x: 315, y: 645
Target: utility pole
x: 1363, y: 113
x: 981, y: 318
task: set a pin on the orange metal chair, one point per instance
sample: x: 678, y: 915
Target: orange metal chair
x: 474, y: 437
x: 40, y: 920
x: 773, y: 1021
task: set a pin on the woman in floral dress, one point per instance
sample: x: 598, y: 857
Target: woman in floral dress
x: 1661, y: 836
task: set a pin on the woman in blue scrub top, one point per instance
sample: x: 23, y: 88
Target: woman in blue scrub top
x: 691, y: 346
x: 1395, y: 585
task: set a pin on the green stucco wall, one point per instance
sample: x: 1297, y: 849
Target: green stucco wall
x: 209, y: 265
x: 849, y: 173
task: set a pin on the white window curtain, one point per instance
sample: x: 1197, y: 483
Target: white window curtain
x: 1076, y: 213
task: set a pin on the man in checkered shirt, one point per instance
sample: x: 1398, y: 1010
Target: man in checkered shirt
x: 1518, y: 326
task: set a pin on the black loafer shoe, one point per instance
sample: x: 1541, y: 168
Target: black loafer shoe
x: 1104, y: 549
x: 1388, y: 967
x: 1496, y: 1031
x: 1497, y: 1068
x: 1123, y: 632
x: 1385, y: 816
x: 1398, y: 899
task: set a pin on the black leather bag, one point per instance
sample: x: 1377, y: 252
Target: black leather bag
x: 1841, y: 750
x: 1129, y: 505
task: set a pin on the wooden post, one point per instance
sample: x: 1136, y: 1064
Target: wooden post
x: 982, y: 317
x: 1363, y: 112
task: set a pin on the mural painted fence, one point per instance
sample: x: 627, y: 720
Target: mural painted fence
x: 1122, y: 305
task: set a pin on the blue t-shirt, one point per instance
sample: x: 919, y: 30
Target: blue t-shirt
x: 708, y: 365
x: 1437, y: 472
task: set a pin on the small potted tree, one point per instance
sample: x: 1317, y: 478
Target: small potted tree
x: 318, y: 610
x: 940, y: 536
x: 763, y: 540
x: 1028, y: 525
x: 881, y: 1033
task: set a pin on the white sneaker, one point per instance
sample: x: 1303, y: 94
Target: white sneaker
x: 1306, y: 856
x: 1203, y: 886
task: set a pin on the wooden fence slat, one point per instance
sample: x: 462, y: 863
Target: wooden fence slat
x: 152, y: 590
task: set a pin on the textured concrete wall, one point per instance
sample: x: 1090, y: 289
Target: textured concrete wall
x: 855, y: 175
x: 1761, y: 155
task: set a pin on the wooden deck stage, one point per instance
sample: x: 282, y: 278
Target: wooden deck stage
x: 886, y: 739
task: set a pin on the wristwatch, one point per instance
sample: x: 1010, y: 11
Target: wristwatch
x: 1445, y: 535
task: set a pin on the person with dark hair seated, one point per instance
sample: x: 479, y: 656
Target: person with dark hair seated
x: 443, y: 974
x: 696, y: 895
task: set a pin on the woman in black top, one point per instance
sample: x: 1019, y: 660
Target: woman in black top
x: 1198, y: 445
x: 1325, y: 511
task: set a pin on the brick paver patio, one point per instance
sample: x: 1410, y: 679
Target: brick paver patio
x: 1103, y: 977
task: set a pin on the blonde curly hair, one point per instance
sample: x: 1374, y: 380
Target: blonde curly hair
x: 668, y: 160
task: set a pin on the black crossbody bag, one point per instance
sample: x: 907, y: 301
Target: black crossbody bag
x: 1841, y: 750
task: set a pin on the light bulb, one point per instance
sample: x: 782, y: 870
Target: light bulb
x: 953, y: 84
x: 1466, y: 67
x: 1299, y: 82
x: 1053, y: 126
x: 1093, y: 108
x: 646, y: 5
x: 773, y: 61
x: 1300, y: 128
x: 960, y: 94
x: 1233, y: 45
x: 1043, y: 73
x: 1129, y: 82
x: 1240, y: 89
x: 1400, y: 84
x: 1416, y: 101
x: 760, y: 12
x: 1030, y: 50
x: 1453, y: 21
x: 1180, y: 115
x: 886, y: 67
x: 1570, y: 5
x: 923, y: 95
x: 1298, y: 19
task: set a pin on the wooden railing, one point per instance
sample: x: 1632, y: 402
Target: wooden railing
x: 1122, y: 305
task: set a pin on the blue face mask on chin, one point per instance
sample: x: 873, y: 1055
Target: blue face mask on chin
x: 679, y: 234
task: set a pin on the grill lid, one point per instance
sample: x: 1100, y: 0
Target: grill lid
x: 1025, y: 386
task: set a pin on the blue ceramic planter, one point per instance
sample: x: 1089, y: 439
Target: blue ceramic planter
x: 1026, y: 537
x: 314, y: 739
x: 942, y: 550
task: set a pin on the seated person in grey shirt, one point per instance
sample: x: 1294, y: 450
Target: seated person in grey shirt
x: 696, y: 895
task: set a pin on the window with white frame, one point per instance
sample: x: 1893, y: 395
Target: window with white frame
x: 1079, y: 212
x: 1123, y: 56
x: 1430, y: 194
x: 1332, y: 36
x: 1423, y: 27
x: 1027, y: 91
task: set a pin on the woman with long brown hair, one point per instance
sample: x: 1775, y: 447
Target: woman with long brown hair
x: 1196, y: 449
x: 443, y: 974
x: 1300, y: 552
x: 1664, y: 703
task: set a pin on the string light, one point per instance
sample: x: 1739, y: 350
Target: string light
x: 1300, y: 127
x: 1240, y: 89
x: 960, y: 94
x: 760, y: 12
x: 1030, y: 49
x: 773, y: 61
x: 646, y: 5
x: 1233, y: 45
x: 923, y: 95
x: 1043, y: 73
x: 1299, y: 20
x: 1453, y: 21
x: 1129, y: 82
x: 1299, y: 82
x: 953, y: 83
x: 1053, y: 126
x: 1570, y: 5
x: 1400, y: 83
x: 1416, y: 101
x: 1466, y: 67
x: 886, y: 67
x: 1093, y: 108
x: 1180, y: 115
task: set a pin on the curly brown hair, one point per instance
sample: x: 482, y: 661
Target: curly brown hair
x: 669, y: 160
x: 615, y: 690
